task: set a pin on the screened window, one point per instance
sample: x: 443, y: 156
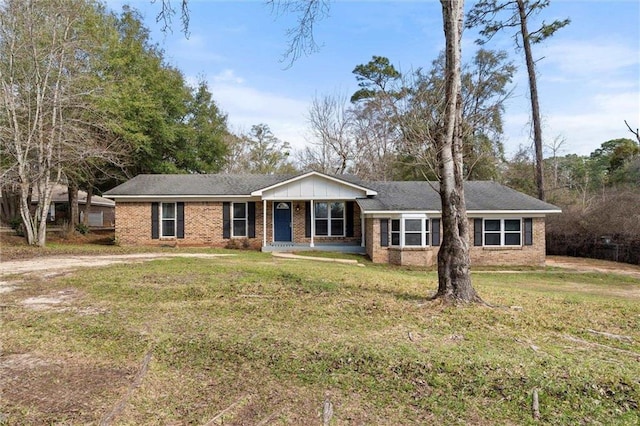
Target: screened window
x: 330, y: 218
x: 240, y: 219
x: 502, y: 232
x: 168, y: 214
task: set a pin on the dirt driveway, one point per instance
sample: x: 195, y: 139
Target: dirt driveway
x: 56, y: 265
x: 580, y: 264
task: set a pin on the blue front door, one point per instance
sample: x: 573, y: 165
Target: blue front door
x: 282, y: 222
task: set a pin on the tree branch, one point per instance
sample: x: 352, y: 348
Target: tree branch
x: 636, y: 133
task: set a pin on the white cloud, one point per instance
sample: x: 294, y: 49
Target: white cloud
x: 585, y: 59
x: 247, y: 106
x: 601, y: 119
x: 227, y: 76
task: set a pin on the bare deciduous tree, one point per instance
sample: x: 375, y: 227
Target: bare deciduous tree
x: 46, y: 95
x: 331, y: 124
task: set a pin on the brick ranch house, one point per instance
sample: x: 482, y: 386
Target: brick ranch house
x: 392, y: 222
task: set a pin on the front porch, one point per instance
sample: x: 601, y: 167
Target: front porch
x: 353, y: 248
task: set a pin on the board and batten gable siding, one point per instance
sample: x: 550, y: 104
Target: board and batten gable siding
x: 203, y: 225
x: 313, y: 187
x: 527, y: 255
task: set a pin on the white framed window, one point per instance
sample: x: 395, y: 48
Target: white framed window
x: 168, y: 218
x: 410, y: 232
x: 395, y: 232
x: 330, y: 218
x: 240, y: 219
x: 502, y: 232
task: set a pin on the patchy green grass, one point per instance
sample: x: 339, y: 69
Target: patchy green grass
x: 334, y: 255
x: 269, y: 339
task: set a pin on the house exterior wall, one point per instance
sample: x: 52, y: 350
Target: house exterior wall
x: 376, y: 253
x: 202, y: 226
x: 533, y: 255
x: 299, y: 212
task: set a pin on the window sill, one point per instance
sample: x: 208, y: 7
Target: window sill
x: 411, y: 248
x: 501, y: 248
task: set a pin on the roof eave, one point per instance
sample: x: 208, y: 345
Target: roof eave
x: 469, y: 212
x: 367, y: 191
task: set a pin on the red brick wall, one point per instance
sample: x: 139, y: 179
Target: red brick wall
x: 202, y: 226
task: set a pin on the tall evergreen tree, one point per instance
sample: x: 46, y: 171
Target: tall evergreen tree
x: 496, y: 15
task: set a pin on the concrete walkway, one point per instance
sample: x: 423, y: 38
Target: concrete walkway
x: 285, y: 255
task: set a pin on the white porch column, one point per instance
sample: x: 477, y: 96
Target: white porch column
x: 363, y: 231
x: 313, y: 223
x: 264, y: 223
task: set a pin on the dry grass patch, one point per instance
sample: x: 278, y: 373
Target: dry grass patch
x: 251, y: 339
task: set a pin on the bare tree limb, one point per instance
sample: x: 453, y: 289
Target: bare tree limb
x: 636, y: 133
x: 301, y: 38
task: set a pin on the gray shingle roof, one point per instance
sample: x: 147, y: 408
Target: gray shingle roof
x: 423, y: 196
x: 204, y: 184
x: 392, y: 196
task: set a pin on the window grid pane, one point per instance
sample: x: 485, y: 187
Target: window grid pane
x: 239, y: 228
x: 413, y: 225
x: 492, y: 225
x: 337, y: 210
x: 322, y: 210
x: 411, y: 239
x: 168, y: 210
x: 491, y: 239
x: 395, y: 238
x: 512, y: 225
x: 322, y: 227
x: 168, y: 228
x: 512, y: 239
x: 337, y: 227
x: 239, y: 211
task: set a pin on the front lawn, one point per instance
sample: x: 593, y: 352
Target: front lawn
x: 253, y: 339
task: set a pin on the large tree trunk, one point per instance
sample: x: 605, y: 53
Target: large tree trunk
x: 535, y: 106
x: 454, y: 279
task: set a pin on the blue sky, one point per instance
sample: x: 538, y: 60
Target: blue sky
x: 589, y: 72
